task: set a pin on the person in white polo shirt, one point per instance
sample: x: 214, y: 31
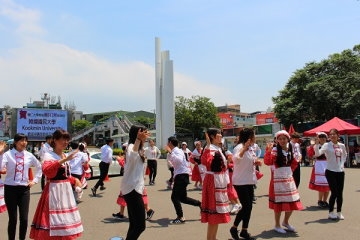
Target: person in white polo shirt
x: 106, y: 158
x: 181, y: 179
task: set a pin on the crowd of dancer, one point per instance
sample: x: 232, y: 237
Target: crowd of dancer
x: 227, y: 181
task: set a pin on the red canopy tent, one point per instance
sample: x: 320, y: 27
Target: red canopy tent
x: 343, y: 127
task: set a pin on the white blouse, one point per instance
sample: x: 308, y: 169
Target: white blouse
x: 17, y: 166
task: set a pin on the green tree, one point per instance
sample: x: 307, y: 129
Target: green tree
x: 323, y: 90
x: 80, y: 124
x: 146, y: 121
x: 194, y: 114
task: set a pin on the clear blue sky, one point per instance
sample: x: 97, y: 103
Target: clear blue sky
x: 99, y: 55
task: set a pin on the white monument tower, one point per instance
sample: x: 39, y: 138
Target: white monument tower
x: 164, y: 90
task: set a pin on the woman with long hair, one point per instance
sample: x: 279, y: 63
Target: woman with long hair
x: 215, y: 207
x: 318, y: 180
x: 336, y: 154
x: 244, y: 180
x: 132, y: 184
x: 57, y: 203
x: 17, y: 183
x: 283, y: 194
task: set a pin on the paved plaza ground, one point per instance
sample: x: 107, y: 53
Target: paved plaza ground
x: 311, y: 223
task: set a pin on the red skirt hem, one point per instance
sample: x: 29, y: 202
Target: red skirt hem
x: 318, y: 188
x: 40, y: 234
x: 286, y: 207
x: 3, y: 208
x: 217, y: 218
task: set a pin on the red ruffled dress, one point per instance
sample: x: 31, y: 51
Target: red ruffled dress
x: 232, y: 194
x: 215, y: 202
x: 280, y: 206
x: 318, y: 181
x: 2, y: 200
x: 54, y: 209
x: 195, y: 159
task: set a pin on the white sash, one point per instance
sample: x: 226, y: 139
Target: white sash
x: 64, y: 215
x: 202, y: 170
x: 284, y: 185
x: 320, y: 179
x: 221, y: 180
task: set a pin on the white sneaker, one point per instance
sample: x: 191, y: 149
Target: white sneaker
x: 289, y: 227
x: 279, y: 230
x: 333, y: 216
x: 236, y: 208
x: 340, y: 216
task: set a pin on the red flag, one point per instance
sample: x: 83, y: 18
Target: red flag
x: 291, y: 129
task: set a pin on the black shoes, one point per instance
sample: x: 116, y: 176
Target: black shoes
x: 234, y: 233
x: 323, y: 204
x: 177, y: 221
x: 93, y: 190
x: 149, y: 214
x: 118, y: 215
x: 244, y: 234
x: 102, y: 188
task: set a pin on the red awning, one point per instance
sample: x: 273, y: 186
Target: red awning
x: 343, y: 127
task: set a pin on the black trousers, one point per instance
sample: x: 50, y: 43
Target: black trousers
x: 17, y: 197
x: 296, y: 176
x: 42, y: 182
x: 136, y: 212
x: 171, y: 179
x: 179, y: 194
x: 336, y: 183
x: 246, y: 196
x: 152, y: 165
x: 104, y: 170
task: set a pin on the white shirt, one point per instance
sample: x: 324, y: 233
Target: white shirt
x: 296, y: 151
x: 256, y: 149
x: 76, y: 164
x: 152, y: 153
x: 178, y: 160
x: 244, y: 168
x: 335, y: 155
x: 44, y: 149
x: 187, y: 152
x: 17, y: 166
x: 133, y: 178
x: 106, y: 153
x: 196, y: 153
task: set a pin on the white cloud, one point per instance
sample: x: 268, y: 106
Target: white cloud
x: 26, y: 19
x: 93, y: 83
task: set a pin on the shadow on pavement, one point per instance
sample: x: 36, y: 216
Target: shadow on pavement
x: 323, y: 221
x: 268, y: 234
x: 114, y: 220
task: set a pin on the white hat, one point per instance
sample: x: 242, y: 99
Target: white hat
x: 321, y: 133
x: 184, y: 143
x: 282, y: 132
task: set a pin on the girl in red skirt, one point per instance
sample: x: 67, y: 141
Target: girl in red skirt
x: 283, y: 194
x: 318, y: 180
x: 57, y: 203
x: 215, y: 202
